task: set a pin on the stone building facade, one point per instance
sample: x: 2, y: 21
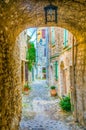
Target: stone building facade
x: 60, y: 68
x: 22, y: 41
x: 15, y: 17
x: 42, y: 52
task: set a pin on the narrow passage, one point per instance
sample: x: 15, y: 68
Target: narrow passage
x: 40, y: 111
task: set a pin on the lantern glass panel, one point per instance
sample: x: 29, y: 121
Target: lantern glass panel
x: 51, y: 15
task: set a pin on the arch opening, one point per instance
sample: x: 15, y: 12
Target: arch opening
x: 55, y: 45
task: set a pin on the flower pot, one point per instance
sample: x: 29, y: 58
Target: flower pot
x: 26, y: 89
x: 53, y: 92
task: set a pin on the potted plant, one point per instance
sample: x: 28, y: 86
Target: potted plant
x: 53, y: 91
x: 26, y: 87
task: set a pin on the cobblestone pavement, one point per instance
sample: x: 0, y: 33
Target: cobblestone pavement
x: 40, y: 111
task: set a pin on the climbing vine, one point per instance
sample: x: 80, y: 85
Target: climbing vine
x: 31, y: 55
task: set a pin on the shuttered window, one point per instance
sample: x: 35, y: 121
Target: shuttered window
x: 53, y: 36
x: 45, y: 52
x: 43, y: 33
x: 65, y: 37
x: 56, y: 70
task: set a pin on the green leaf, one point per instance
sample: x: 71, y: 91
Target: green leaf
x: 31, y: 55
x: 65, y: 103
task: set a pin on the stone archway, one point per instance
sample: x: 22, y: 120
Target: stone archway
x: 15, y: 17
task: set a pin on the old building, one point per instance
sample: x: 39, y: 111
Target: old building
x: 22, y: 41
x: 60, y: 69
x: 42, y: 53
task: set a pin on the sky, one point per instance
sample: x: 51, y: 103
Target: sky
x: 32, y: 32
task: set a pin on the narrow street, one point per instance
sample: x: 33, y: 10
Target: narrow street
x: 40, y: 111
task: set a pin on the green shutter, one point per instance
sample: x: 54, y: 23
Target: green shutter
x: 32, y: 74
x: 56, y: 70
x: 65, y: 37
x: 53, y: 36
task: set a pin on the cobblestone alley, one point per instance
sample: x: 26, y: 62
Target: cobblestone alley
x: 40, y: 111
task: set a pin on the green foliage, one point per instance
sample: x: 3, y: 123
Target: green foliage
x: 31, y: 55
x: 65, y: 103
x: 52, y: 87
x: 27, y: 86
x: 44, y: 71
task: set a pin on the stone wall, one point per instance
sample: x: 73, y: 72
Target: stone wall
x: 65, y: 62
x: 80, y: 81
x: 10, y: 83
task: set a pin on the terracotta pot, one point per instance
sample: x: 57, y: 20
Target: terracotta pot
x: 53, y: 92
x: 26, y: 89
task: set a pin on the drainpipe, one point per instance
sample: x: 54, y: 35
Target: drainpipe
x: 73, y: 84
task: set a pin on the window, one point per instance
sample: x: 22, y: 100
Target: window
x: 44, y: 52
x: 65, y: 37
x: 43, y: 70
x: 56, y: 70
x: 53, y: 36
x: 43, y: 33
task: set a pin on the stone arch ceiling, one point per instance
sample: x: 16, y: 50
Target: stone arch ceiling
x: 17, y: 15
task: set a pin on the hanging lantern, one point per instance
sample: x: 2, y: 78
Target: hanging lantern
x: 50, y: 13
